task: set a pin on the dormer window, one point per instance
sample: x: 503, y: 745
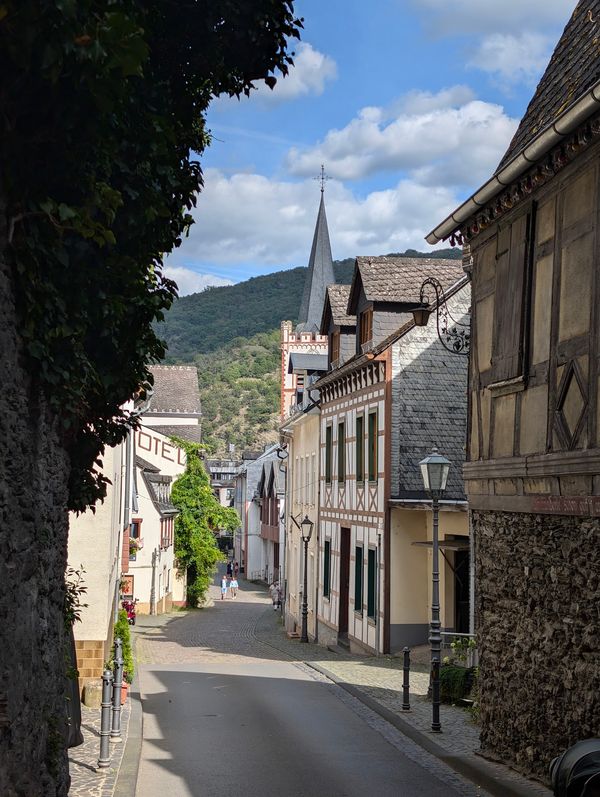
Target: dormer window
x: 335, y: 347
x: 366, y: 327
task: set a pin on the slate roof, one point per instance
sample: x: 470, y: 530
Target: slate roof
x: 320, y: 275
x: 175, y: 390
x: 145, y: 465
x: 573, y: 69
x: 398, y: 279
x: 337, y: 298
x: 192, y: 433
x: 307, y: 362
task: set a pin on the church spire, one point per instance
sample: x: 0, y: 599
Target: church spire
x: 320, y: 272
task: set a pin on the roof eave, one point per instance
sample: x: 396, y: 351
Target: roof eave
x: 532, y: 153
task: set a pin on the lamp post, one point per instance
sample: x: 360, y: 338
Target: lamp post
x: 434, y: 470
x: 306, y: 528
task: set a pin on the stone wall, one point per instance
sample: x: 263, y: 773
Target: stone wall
x: 33, y: 545
x: 538, y: 617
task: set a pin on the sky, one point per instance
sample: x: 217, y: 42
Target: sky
x: 409, y: 104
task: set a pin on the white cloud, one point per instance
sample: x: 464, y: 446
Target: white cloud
x: 248, y: 219
x: 308, y: 76
x: 513, y: 59
x: 487, y: 16
x: 447, y: 138
x: 190, y: 281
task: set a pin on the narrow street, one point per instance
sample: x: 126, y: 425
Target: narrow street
x: 227, y: 710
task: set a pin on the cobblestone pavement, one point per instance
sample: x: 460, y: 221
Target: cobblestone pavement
x: 248, y: 629
x: 86, y: 779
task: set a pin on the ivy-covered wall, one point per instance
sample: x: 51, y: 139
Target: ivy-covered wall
x: 34, y: 470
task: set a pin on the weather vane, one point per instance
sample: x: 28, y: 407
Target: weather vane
x: 322, y: 178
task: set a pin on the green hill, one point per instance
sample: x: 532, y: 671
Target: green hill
x: 232, y: 335
x: 203, y: 322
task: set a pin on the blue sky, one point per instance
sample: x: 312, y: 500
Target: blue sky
x: 410, y: 104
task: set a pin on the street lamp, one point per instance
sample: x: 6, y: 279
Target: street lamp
x: 434, y: 470
x: 454, y: 335
x: 306, y: 528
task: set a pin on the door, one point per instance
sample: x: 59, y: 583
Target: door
x: 461, y: 591
x: 344, y: 580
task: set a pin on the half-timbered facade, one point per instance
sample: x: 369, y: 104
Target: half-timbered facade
x: 358, y: 430
x: 533, y: 470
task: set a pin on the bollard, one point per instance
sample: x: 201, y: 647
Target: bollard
x: 104, y: 758
x: 115, y: 731
x: 406, y: 681
x: 436, y: 726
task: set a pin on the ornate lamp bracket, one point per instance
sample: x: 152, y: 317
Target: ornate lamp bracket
x: 454, y: 336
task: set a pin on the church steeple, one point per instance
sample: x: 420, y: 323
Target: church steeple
x: 320, y: 273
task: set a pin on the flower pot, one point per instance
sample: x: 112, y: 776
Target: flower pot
x: 124, y: 688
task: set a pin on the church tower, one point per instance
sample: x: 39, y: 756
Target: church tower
x: 305, y: 338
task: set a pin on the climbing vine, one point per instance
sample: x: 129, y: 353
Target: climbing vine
x: 200, y: 516
x: 102, y: 121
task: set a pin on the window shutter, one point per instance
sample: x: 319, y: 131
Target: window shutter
x: 511, y: 270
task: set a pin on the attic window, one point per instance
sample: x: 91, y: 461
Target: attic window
x: 335, y: 347
x: 366, y: 327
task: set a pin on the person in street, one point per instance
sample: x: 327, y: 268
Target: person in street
x: 234, y: 587
x: 229, y: 568
x: 275, y: 595
x: 223, y: 588
x: 236, y: 569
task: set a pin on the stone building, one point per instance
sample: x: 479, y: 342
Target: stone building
x: 533, y: 470
x: 391, y: 392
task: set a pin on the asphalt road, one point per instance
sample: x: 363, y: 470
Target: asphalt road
x: 223, y: 715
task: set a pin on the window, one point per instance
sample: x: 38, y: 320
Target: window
x: 371, y: 582
x: 358, y: 579
x: 328, y: 445
x: 327, y: 569
x: 313, y: 479
x: 366, y: 327
x: 360, y: 448
x: 135, y: 536
x: 373, y: 446
x: 341, y: 445
x: 335, y: 347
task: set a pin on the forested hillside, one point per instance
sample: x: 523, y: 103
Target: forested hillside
x: 232, y: 335
x: 205, y: 321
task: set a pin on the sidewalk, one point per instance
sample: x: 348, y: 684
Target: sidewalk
x: 86, y: 779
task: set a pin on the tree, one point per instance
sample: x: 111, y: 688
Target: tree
x: 102, y: 123
x: 200, y: 516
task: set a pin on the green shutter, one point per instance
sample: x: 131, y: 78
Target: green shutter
x: 328, y: 454
x: 372, y: 446
x: 358, y: 579
x: 341, y: 452
x: 327, y: 569
x: 371, y: 582
x: 360, y: 449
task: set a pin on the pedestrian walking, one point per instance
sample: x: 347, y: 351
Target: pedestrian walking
x: 223, y: 588
x: 234, y: 587
x: 236, y: 569
x: 229, y: 568
x: 275, y: 591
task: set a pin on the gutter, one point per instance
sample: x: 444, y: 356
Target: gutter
x: 532, y: 153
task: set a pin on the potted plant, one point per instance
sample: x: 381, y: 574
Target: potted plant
x: 123, y: 631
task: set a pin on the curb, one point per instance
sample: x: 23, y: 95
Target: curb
x: 478, y: 771
x: 126, y: 784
